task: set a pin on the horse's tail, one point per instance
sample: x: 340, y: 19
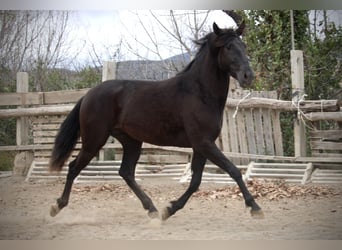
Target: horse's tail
x: 66, y: 139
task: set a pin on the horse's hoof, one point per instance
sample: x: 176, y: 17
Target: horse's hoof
x: 165, y: 213
x: 153, y: 215
x: 155, y: 223
x: 54, y: 210
x: 257, y: 214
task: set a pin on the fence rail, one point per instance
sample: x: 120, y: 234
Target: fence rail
x: 250, y: 130
x: 318, y: 108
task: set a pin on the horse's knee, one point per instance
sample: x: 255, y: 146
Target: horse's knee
x: 124, y: 173
x: 194, y: 185
x: 72, y: 173
x: 235, y: 173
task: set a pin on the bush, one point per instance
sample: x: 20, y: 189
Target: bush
x: 6, y: 160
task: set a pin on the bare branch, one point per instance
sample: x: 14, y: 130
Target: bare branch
x: 236, y: 17
x: 180, y: 28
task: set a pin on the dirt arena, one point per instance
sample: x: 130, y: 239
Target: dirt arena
x: 111, y: 211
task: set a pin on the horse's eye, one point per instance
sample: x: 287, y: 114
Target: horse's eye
x: 228, y: 46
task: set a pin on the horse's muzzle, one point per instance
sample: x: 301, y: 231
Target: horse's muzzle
x: 245, y: 77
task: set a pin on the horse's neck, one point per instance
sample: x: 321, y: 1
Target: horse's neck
x: 213, y: 81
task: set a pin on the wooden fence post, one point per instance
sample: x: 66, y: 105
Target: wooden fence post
x: 108, y: 73
x: 22, y: 160
x: 22, y: 122
x: 298, y: 91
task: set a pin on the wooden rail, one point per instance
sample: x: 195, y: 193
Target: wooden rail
x: 250, y: 130
x: 73, y: 96
x: 36, y: 111
x: 305, y: 106
x: 41, y: 98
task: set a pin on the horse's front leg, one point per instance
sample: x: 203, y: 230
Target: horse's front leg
x: 197, y: 166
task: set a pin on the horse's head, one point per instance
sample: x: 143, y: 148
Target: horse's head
x: 232, y: 56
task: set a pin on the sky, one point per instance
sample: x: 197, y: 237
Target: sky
x: 102, y: 31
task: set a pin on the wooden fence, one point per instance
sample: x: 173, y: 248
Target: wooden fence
x: 251, y: 131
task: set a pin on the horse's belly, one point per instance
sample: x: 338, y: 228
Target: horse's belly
x: 162, y: 135
x: 176, y: 141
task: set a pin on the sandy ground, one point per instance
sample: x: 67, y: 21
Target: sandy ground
x: 95, y: 212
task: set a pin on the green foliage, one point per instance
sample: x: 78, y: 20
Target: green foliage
x: 7, y: 137
x: 64, y: 79
x: 7, y: 132
x: 8, y: 126
x: 323, y: 57
x: 7, y: 81
x: 286, y: 123
x: 57, y: 80
x: 88, y: 77
x: 269, y: 43
x: 53, y: 80
x: 268, y: 39
x: 6, y: 160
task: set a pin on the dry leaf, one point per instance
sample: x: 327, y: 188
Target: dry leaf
x: 271, y: 190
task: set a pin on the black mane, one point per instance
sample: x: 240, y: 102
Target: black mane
x: 205, y: 42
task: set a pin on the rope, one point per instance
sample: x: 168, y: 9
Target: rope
x: 237, y: 106
x: 297, y: 105
x: 300, y: 114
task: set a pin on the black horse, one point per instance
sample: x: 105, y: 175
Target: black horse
x: 184, y: 111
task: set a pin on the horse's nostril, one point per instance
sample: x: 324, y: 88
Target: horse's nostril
x: 249, y: 75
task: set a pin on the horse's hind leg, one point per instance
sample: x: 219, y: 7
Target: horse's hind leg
x: 75, y: 168
x: 197, y: 166
x: 131, y: 153
x: 211, y: 151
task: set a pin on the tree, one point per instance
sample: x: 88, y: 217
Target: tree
x: 51, y: 49
x: 179, y: 29
x: 323, y: 56
x: 269, y: 43
x: 268, y: 39
x: 14, y: 43
x: 32, y: 41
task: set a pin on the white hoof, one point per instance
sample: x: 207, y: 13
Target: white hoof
x: 155, y: 223
x: 54, y: 210
x: 153, y: 215
x: 259, y: 214
x: 165, y: 213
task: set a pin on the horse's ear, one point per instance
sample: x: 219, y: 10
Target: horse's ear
x: 216, y: 28
x: 241, y: 28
